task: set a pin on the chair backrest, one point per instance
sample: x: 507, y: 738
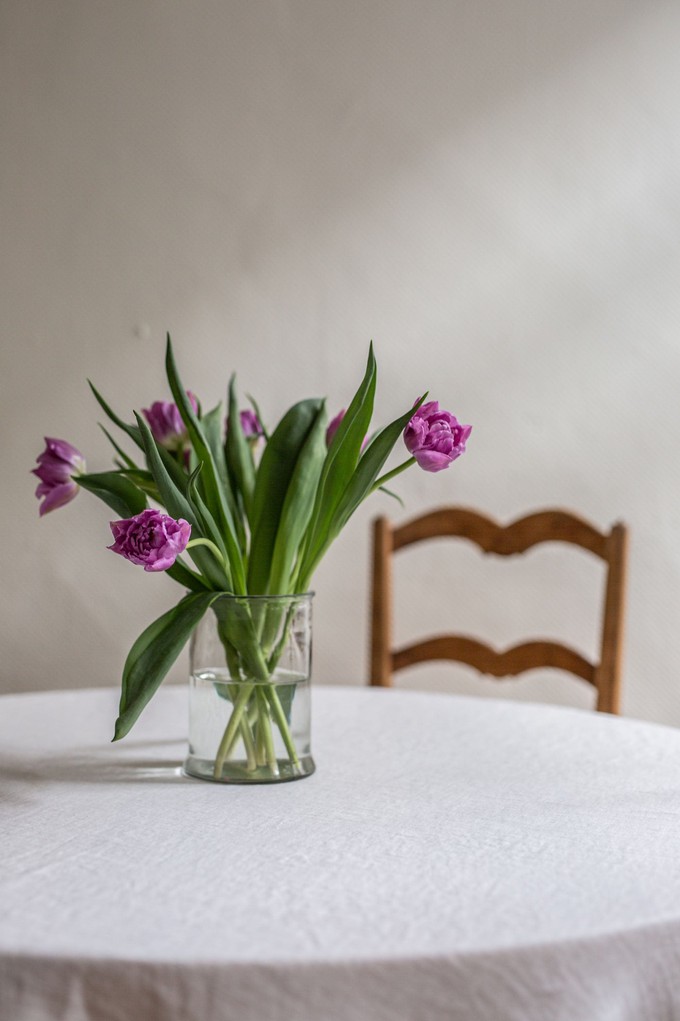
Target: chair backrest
x: 506, y: 540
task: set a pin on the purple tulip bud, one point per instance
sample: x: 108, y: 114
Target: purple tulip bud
x: 165, y: 422
x: 334, y: 426
x: 58, y: 462
x: 250, y: 423
x: 435, y: 438
x: 150, y: 539
x: 250, y: 426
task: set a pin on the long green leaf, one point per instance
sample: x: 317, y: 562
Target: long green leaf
x: 361, y: 484
x: 153, y: 654
x: 298, y: 505
x: 212, y: 427
x: 131, y: 430
x: 119, y: 450
x: 369, y: 467
x: 117, y: 491
x: 239, y: 454
x: 144, y: 480
x: 213, y: 489
x: 395, y: 496
x: 274, y: 475
x: 207, y: 522
x: 173, y: 497
x: 341, y: 462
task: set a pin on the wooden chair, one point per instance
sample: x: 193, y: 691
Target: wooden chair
x: 505, y: 540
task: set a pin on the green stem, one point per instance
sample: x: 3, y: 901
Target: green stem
x: 245, y: 728
x: 282, y: 724
x: 261, y: 752
x: 390, y: 475
x: 246, y: 639
x: 211, y: 546
x: 266, y: 728
x: 232, y: 727
x: 249, y: 744
x: 246, y: 732
x: 275, y: 655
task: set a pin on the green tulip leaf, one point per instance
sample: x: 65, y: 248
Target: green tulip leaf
x: 173, y: 497
x: 208, y: 525
x: 393, y: 495
x: 274, y: 475
x: 129, y: 463
x: 212, y: 427
x: 341, y: 461
x: 298, y: 505
x: 116, y: 490
x: 131, y: 430
x: 213, y: 488
x: 360, y: 485
x: 153, y: 654
x: 238, y: 453
x: 144, y: 480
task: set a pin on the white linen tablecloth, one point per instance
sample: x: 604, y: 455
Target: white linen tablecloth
x: 452, y: 859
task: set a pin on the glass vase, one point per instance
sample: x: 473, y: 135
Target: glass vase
x: 249, y: 697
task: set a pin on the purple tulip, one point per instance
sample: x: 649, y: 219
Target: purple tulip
x: 435, y: 438
x: 58, y: 463
x: 150, y: 539
x: 250, y: 424
x: 166, y: 422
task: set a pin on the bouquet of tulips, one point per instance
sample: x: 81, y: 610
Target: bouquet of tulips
x: 234, y: 509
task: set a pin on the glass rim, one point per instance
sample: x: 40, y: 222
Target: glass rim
x: 279, y: 598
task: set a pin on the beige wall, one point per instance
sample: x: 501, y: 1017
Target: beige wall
x: 489, y: 190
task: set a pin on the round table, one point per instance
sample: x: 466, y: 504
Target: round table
x: 451, y: 858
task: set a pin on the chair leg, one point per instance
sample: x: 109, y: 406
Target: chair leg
x: 381, y: 605
x: 609, y: 671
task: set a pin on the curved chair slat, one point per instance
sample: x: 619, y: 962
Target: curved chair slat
x: 487, y: 660
x: 551, y: 525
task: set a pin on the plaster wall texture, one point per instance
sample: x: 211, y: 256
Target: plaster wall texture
x: 489, y: 190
